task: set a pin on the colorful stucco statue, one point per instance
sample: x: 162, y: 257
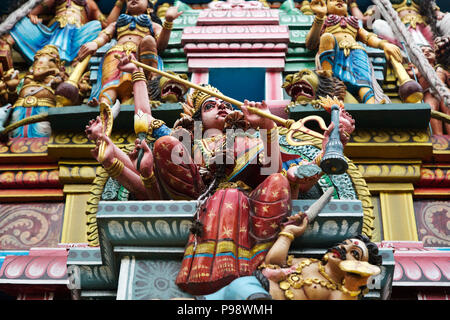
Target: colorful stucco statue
x: 307, y: 86
x: 341, y: 274
x: 336, y: 34
x: 35, y: 93
x: 421, y: 17
x: 233, y: 172
x: 138, y: 30
x: 431, y: 97
x: 242, y: 206
x: 73, y: 23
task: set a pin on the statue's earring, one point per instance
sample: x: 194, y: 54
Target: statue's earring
x: 325, y: 257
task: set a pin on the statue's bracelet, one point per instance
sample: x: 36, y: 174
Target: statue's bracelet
x: 287, y: 234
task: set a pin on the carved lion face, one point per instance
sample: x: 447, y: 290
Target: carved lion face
x: 302, y: 86
x: 172, y: 91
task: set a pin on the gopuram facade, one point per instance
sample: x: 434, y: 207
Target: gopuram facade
x: 226, y: 150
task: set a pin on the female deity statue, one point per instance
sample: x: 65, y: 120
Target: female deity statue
x: 335, y: 35
x: 136, y: 34
x: 246, y: 206
x: 74, y: 23
x: 236, y: 177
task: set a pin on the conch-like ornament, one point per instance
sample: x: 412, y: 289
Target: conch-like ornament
x: 141, y: 123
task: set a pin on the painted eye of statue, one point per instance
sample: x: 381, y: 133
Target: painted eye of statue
x: 355, y: 254
x: 228, y: 106
x: 208, y: 106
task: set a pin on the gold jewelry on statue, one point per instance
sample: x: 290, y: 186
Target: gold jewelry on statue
x: 119, y: 4
x: 296, y: 281
x: 115, y: 169
x: 287, y: 234
x: 318, y: 20
x: 349, y: 292
x: 272, y: 134
x: 138, y: 76
x: 107, y: 33
x: 381, y: 44
x: 32, y: 101
x: 353, y: 5
x: 167, y: 25
x: 155, y: 124
x: 102, y: 17
x: 97, y: 42
x: 370, y: 35
x: 148, y: 182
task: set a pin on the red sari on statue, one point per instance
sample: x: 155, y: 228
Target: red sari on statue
x: 239, y: 224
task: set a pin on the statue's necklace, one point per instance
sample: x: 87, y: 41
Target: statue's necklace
x: 296, y: 281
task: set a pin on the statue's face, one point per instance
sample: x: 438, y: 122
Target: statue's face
x: 135, y: 7
x: 214, y: 112
x: 429, y: 53
x: 350, y: 249
x: 302, y: 86
x: 172, y: 91
x: 44, y: 62
x: 338, y: 7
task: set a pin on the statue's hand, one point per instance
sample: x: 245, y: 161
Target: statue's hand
x: 297, y: 224
x: 257, y: 120
x: 34, y: 18
x: 305, y: 175
x: 172, y: 13
x: 319, y: 7
x: 94, y: 129
x: 126, y: 65
x: 146, y: 166
x: 346, y: 126
x: 392, y: 52
x: 89, y: 48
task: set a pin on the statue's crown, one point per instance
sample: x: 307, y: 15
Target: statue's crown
x: 50, y: 50
x: 198, y: 97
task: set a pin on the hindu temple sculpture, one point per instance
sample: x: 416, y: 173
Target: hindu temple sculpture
x: 421, y: 17
x: 341, y: 274
x: 307, y: 86
x: 235, y: 176
x: 34, y: 94
x: 335, y: 34
x: 134, y: 31
x: 431, y: 97
x: 73, y: 23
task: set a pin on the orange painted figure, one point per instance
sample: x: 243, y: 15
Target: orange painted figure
x: 136, y: 32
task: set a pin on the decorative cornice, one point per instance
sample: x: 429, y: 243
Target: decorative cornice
x: 27, y: 176
x: 390, y: 144
x: 230, y: 16
x: 41, y: 266
x: 81, y: 172
x: 416, y: 266
x: 236, y: 33
x: 390, y: 172
x: 77, y: 146
x: 23, y: 149
x: 217, y: 47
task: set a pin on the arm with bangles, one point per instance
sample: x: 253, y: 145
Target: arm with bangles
x: 163, y: 33
x: 278, y: 253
